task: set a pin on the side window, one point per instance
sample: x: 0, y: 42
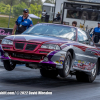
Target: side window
x: 82, y: 37
x: 71, y: 36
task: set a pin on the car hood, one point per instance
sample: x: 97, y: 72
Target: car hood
x: 38, y: 39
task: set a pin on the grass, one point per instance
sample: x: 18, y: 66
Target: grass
x: 4, y: 22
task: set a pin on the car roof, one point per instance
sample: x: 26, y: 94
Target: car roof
x: 58, y: 25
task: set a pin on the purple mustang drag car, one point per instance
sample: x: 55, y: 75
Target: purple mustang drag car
x: 55, y: 50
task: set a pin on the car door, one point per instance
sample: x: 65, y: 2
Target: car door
x: 85, y: 50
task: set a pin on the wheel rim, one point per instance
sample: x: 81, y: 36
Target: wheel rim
x: 67, y: 64
x: 94, y: 71
x: 12, y: 65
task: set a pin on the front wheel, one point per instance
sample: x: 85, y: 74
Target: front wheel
x: 83, y: 77
x: 66, y: 66
x: 9, y: 66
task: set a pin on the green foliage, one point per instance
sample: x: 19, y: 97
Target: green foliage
x: 5, y: 9
x: 39, y: 2
x: 27, y: 2
x: 4, y: 21
x: 35, y: 9
x: 50, y: 1
x: 18, y: 9
x: 10, y: 2
x: 17, y: 6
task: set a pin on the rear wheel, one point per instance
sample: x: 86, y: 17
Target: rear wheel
x: 9, y: 66
x: 66, y: 66
x: 83, y: 77
x: 49, y: 73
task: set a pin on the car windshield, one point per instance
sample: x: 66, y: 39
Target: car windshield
x: 52, y: 30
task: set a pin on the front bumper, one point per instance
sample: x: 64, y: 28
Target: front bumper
x: 54, y: 59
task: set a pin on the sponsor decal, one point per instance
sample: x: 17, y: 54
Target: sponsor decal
x: 57, y: 62
x: 61, y: 61
x: 62, y: 57
x: 75, y: 63
x: 79, y: 61
x: 84, y: 65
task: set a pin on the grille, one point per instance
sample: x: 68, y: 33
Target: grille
x: 19, y: 46
x: 30, y: 47
x: 26, y: 56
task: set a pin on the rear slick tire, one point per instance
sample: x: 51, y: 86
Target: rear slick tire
x: 83, y: 77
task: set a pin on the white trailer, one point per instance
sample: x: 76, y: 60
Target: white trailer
x: 50, y: 8
x: 83, y: 11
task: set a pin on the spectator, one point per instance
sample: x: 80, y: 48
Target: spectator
x: 22, y: 23
x: 74, y: 23
x: 96, y: 34
x: 43, y: 15
x: 58, y: 16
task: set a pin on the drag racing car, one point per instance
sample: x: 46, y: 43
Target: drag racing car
x: 55, y: 50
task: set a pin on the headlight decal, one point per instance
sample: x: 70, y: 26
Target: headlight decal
x: 6, y: 41
x: 51, y: 46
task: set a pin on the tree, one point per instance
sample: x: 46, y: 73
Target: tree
x: 18, y: 9
x: 26, y: 2
x: 50, y: 1
x: 5, y: 9
x: 39, y: 2
x: 10, y: 2
x: 35, y: 9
